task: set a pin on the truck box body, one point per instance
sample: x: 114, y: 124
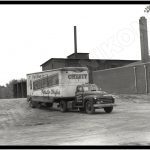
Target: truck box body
x: 57, y: 83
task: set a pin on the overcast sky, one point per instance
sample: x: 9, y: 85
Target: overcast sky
x: 32, y: 34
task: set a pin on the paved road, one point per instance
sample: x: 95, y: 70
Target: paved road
x: 128, y: 124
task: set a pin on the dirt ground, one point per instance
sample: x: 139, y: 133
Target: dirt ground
x: 128, y: 124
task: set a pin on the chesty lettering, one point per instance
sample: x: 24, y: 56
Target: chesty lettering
x: 77, y: 76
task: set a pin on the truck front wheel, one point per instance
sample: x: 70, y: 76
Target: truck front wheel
x: 63, y: 106
x: 89, y: 108
x: 108, y: 109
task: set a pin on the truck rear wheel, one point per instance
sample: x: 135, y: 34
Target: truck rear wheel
x: 63, y: 106
x: 89, y: 108
x: 32, y: 104
x: 108, y: 109
x: 49, y: 105
x: 81, y: 109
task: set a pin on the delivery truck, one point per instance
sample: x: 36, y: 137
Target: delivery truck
x: 69, y: 87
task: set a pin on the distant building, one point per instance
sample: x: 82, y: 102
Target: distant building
x: 20, y: 89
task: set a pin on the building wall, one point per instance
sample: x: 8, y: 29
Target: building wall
x: 124, y: 79
x: 148, y: 77
x: 58, y: 64
x: 115, y: 80
x: 140, y: 75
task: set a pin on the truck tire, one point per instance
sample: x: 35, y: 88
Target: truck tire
x: 49, y: 105
x: 28, y: 99
x: 32, y: 104
x: 108, y: 109
x: 89, y: 108
x: 82, y: 109
x: 63, y: 106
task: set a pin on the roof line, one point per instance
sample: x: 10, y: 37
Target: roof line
x: 88, y: 59
x: 67, y: 68
x: 126, y: 66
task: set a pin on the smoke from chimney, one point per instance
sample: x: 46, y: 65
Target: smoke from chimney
x: 144, y: 39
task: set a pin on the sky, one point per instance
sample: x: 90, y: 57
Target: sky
x: 32, y: 34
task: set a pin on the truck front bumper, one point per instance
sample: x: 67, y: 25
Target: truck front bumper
x: 104, y: 105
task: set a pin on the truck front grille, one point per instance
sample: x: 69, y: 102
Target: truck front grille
x: 106, y: 101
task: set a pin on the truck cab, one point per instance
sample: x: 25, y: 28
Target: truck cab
x: 89, y: 97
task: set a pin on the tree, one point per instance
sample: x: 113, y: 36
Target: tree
x: 7, y: 91
x: 147, y: 9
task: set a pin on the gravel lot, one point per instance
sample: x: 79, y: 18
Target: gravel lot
x: 128, y: 124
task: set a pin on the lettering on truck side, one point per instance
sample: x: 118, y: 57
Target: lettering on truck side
x: 77, y: 76
x: 52, y: 91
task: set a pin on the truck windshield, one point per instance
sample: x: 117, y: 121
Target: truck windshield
x: 90, y: 87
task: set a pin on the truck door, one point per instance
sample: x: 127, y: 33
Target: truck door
x: 79, y: 95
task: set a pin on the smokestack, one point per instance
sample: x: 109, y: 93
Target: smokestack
x: 75, y: 40
x: 144, y: 39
